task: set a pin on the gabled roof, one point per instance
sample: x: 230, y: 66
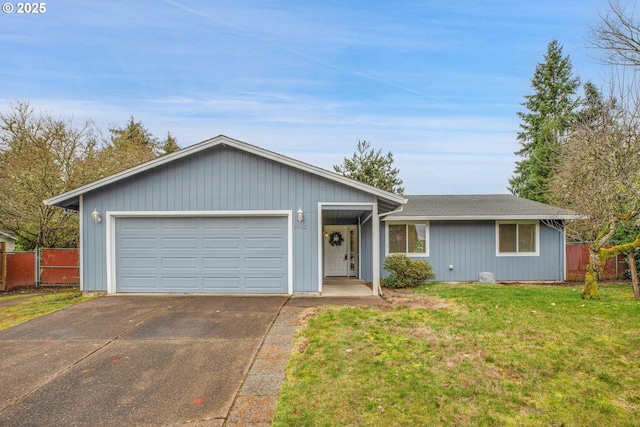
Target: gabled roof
x: 71, y: 198
x: 7, y: 236
x: 483, y: 206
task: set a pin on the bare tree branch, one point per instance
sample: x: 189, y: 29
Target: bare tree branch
x: 617, y: 36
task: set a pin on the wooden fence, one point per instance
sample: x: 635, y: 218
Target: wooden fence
x: 578, y: 259
x: 3, y: 266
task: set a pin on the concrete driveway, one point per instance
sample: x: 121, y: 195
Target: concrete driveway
x: 132, y: 360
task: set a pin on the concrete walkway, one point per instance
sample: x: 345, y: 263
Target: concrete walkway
x: 256, y: 400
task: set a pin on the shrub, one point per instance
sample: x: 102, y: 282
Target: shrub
x: 405, y: 272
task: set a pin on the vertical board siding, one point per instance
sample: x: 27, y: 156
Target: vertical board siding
x: 366, y: 255
x: 470, y: 246
x: 220, y: 179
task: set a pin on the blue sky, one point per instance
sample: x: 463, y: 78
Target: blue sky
x: 438, y: 83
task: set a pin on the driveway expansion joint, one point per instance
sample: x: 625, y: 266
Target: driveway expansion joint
x: 79, y: 360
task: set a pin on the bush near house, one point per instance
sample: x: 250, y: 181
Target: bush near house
x: 405, y: 272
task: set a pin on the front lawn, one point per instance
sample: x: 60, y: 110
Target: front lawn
x: 470, y: 355
x: 16, y: 308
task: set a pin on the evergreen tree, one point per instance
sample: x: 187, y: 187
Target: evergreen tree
x: 372, y: 167
x: 592, y: 105
x: 169, y: 145
x: 131, y: 145
x: 551, y: 113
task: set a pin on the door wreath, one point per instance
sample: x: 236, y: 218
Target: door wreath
x: 336, y: 239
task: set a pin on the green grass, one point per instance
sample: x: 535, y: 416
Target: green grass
x: 18, y: 308
x: 496, y: 356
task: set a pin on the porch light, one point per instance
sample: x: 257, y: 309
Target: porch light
x: 300, y: 215
x: 326, y: 234
x: 96, y: 216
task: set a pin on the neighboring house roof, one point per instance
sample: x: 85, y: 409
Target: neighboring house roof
x: 70, y: 199
x: 483, y: 206
x: 7, y: 236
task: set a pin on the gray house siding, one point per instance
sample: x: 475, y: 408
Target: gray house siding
x: 470, y: 247
x: 366, y: 255
x: 219, y: 179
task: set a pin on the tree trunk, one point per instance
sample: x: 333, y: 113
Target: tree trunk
x: 634, y: 275
x: 598, y: 256
x: 590, y: 289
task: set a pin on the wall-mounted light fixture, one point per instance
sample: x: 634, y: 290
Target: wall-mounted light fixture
x: 326, y: 234
x: 96, y: 216
x: 300, y: 215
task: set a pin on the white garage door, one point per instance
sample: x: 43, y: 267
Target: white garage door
x: 203, y: 254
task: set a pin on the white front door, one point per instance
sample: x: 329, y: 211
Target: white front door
x: 340, y: 251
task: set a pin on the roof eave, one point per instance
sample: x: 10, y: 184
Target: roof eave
x: 481, y: 217
x: 7, y: 235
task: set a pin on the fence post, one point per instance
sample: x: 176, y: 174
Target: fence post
x: 36, y: 266
x: 3, y: 266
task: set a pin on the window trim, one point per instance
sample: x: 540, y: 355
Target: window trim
x: 409, y: 254
x: 517, y: 253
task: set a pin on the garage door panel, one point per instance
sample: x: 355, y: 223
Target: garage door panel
x: 221, y: 284
x: 179, y: 284
x: 221, y: 243
x: 139, y: 226
x: 138, y: 263
x: 268, y: 228
x: 263, y: 284
x: 138, y: 243
x: 181, y: 263
x: 140, y: 283
x: 179, y: 243
x: 223, y: 224
x: 263, y: 243
x: 179, y: 224
x: 207, y: 254
x: 217, y: 263
x: 264, y: 263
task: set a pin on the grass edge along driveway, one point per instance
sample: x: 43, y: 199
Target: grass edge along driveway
x: 469, y: 355
x: 16, y: 308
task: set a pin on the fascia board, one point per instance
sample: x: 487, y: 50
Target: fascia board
x: 480, y: 217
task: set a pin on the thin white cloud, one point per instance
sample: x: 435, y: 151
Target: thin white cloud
x: 436, y: 83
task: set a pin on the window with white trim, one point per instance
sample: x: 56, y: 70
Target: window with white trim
x: 517, y: 238
x: 409, y: 238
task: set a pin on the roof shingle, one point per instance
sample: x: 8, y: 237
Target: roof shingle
x: 481, y: 206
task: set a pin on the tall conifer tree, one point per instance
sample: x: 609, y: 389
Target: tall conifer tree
x: 551, y: 113
x: 372, y: 167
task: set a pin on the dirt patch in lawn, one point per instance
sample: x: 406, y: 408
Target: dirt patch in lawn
x: 412, y: 299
